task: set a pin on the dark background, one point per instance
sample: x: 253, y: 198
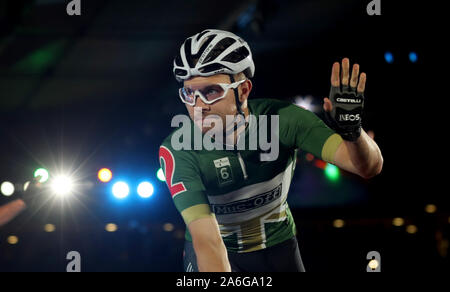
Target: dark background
x: 78, y: 93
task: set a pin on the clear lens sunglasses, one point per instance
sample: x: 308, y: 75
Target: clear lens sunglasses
x: 209, y: 93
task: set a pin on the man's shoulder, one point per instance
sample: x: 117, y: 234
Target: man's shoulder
x: 268, y: 106
x: 288, y: 112
x: 166, y: 141
x: 166, y: 147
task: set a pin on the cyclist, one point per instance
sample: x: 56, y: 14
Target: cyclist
x: 232, y: 200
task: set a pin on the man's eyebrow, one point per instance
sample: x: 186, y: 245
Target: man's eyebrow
x: 203, y: 84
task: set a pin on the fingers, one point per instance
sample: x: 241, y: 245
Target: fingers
x: 345, y: 77
x: 355, y: 74
x: 327, y: 106
x: 335, y: 77
x: 345, y: 71
x: 362, y: 83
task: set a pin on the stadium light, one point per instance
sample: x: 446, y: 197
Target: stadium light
x: 145, y: 190
x: 411, y: 229
x: 338, y: 223
x: 373, y: 264
x: 104, y: 175
x: 7, y: 188
x: 62, y: 185
x: 412, y: 57
x: 430, y: 208
x: 160, y: 175
x: 168, y: 227
x: 306, y: 102
x: 389, y: 57
x: 49, y: 228
x: 12, y: 239
x: 398, y: 221
x: 111, y: 227
x: 332, y: 172
x: 120, y: 190
x: 43, y: 173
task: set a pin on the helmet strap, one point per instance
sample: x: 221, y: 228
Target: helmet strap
x: 238, y: 106
x: 236, y: 96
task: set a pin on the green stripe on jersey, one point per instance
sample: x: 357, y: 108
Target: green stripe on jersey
x: 196, y: 212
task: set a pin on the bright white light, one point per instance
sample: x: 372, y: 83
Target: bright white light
x: 120, y: 190
x: 145, y: 189
x: 62, y: 185
x: 373, y: 264
x: 25, y: 185
x: 7, y: 188
x: 43, y: 173
x: 306, y: 103
x: 160, y: 175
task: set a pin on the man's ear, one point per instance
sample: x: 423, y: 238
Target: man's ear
x: 246, y: 88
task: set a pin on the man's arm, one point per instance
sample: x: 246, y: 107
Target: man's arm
x: 14, y: 208
x: 358, y: 153
x: 208, y: 245
x: 189, y: 196
x: 362, y: 157
x: 10, y: 211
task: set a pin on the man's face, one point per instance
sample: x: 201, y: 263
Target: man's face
x: 221, y: 108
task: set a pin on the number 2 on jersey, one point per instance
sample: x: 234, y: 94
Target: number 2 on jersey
x: 169, y: 169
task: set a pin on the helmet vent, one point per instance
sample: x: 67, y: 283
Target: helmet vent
x: 178, y: 61
x: 201, y: 34
x: 180, y: 72
x: 218, y: 49
x: 212, y: 68
x: 193, y: 58
x: 237, y: 55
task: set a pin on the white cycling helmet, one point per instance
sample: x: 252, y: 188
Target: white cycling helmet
x: 213, y: 52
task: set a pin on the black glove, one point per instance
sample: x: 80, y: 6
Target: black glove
x: 346, y: 114
x: 32, y: 192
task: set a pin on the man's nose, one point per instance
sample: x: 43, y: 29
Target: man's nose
x: 200, y: 103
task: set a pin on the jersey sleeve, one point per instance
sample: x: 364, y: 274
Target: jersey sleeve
x: 184, y: 182
x: 302, y: 129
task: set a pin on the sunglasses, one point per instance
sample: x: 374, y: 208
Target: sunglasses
x: 208, y: 93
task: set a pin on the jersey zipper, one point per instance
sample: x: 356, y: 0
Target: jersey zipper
x: 241, y: 162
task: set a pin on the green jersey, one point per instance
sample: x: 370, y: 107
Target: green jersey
x: 246, y: 195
